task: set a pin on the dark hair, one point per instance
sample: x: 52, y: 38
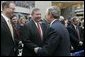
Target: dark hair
x: 6, y: 4
x: 13, y: 16
x: 35, y: 9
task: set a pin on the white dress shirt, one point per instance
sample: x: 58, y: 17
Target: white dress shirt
x: 9, y: 25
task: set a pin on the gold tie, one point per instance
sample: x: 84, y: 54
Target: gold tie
x: 11, y: 28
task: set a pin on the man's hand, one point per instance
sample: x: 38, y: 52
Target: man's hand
x: 36, y: 49
x: 80, y: 43
x: 72, y: 48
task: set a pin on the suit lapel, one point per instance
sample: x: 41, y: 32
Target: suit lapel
x: 43, y: 28
x: 33, y: 27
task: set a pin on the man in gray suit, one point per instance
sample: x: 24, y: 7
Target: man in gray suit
x: 58, y: 46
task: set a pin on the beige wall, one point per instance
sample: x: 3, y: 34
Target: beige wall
x: 43, y: 5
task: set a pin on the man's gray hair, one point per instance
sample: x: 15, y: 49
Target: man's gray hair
x: 73, y: 18
x: 55, y: 11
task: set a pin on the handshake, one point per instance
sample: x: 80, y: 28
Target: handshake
x: 36, y: 49
x: 80, y: 43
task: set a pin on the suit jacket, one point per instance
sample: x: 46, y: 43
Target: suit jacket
x: 73, y: 36
x: 31, y: 39
x: 7, y: 43
x: 59, y: 44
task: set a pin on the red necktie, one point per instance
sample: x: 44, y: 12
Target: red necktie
x: 39, y: 30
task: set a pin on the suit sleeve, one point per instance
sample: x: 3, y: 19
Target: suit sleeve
x: 51, y: 44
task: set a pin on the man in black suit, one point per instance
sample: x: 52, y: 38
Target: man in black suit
x: 34, y: 37
x: 7, y: 32
x: 57, y: 46
x: 74, y: 31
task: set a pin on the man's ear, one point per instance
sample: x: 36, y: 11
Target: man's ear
x: 51, y: 16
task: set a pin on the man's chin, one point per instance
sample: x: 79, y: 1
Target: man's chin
x: 11, y: 16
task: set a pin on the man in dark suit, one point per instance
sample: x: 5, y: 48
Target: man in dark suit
x: 57, y: 46
x: 74, y: 31
x: 8, y: 46
x: 31, y: 36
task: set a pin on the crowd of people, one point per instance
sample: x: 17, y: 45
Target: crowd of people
x: 51, y: 36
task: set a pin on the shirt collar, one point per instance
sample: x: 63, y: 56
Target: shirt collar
x: 74, y: 26
x: 52, y: 22
x: 35, y: 23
